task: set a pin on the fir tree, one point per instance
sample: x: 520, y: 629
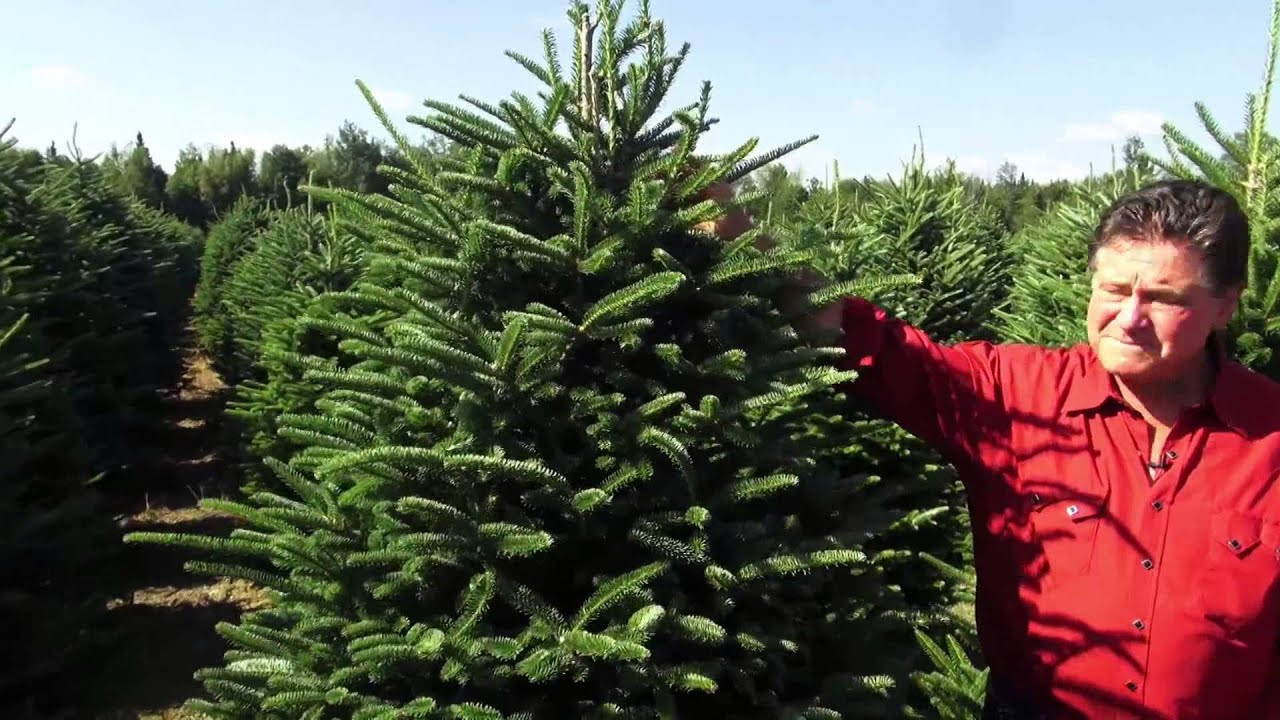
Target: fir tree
x: 929, y: 226
x: 44, y: 511
x: 229, y: 240
x: 560, y: 467
x: 1050, y: 283
x: 283, y: 170
x: 136, y: 174
x: 1247, y: 165
x: 182, y: 189
x: 299, y: 255
x: 926, y: 226
x: 89, y: 279
x: 112, y: 285
x: 957, y: 687
x: 226, y: 175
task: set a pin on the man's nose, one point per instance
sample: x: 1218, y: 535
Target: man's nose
x: 1132, y: 311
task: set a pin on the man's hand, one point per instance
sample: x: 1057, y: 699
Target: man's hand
x: 734, y: 223
x: 791, y: 299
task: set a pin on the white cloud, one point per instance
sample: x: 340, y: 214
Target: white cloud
x: 395, y: 100
x: 973, y: 164
x: 1041, y: 166
x: 1120, y: 125
x: 1037, y: 165
x: 968, y: 163
x: 58, y: 77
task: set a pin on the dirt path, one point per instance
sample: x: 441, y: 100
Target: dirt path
x: 165, y: 616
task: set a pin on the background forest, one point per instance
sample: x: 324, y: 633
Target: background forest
x: 478, y: 424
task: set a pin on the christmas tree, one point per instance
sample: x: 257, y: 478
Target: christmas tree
x: 559, y: 467
x: 229, y: 239
x: 1050, y: 286
x: 46, y: 517
x: 929, y: 226
x: 1247, y: 165
x: 299, y: 255
x: 90, y: 283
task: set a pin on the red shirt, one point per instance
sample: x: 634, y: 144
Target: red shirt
x: 1102, y: 593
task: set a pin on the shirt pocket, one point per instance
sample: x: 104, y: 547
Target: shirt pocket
x: 1065, y: 524
x: 1241, y: 574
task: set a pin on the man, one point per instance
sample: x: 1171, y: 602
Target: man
x: 1123, y: 492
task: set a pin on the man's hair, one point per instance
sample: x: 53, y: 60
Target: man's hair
x: 1189, y: 212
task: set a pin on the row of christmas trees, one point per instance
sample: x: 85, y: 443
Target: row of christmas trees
x: 534, y: 445
x: 92, y: 290
x: 520, y: 439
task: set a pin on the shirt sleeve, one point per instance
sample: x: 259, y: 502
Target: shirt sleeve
x: 946, y: 395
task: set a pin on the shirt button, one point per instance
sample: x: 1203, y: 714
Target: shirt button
x: 1158, y: 505
x: 1133, y: 686
x: 1138, y: 624
x: 1148, y: 564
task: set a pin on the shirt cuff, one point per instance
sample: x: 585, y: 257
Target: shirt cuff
x: 862, y: 332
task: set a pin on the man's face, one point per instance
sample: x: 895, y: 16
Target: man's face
x: 1151, y: 311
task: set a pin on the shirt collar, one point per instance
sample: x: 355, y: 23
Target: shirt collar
x: 1233, y: 384
x: 1093, y: 388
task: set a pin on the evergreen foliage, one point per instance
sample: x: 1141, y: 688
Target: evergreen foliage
x: 1050, y: 284
x: 137, y: 174
x: 283, y: 170
x: 183, y: 189
x: 926, y: 225
x: 43, y: 513
x: 114, y: 281
x: 229, y: 240
x: 91, y: 283
x: 1248, y: 166
x: 1017, y: 201
x: 928, y: 228
x: 954, y: 683
x: 518, y: 439
x: 957, y: 687
x: 931, y: 226
x: 227, y: 174
x: 351, y: 161
x: 297, y: 257
x: 560, y: 467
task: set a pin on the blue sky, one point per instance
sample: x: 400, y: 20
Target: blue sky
x: 1051, y: 86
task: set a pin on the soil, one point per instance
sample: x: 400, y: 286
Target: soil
x: 160, y: 617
